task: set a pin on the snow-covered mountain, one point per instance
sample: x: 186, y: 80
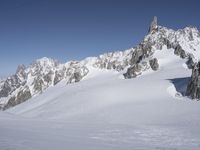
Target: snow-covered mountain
x: 106, y: 110
x: 29, y: 81
x: 43, y: 73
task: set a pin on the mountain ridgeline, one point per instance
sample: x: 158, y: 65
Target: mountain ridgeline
x: 29, y: 81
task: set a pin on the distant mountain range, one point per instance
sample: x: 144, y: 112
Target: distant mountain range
x: 30, y: 81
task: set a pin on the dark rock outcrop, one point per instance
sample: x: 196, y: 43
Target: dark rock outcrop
x: 154, y: 64
x: 38, y: 85
x: 190, y: 63
x: 179, y: 51
x: 21, y: 71
x: 10, y: 84
x: 11, y: 102
x: 59, y: 75
x: 143, y: 50
x: 78, y: 74
x: 4, y: 92
x: 168, y: 43
x: 193, y: 88
x: 48, y: 77
x: 133, y: 71
x: 22, y: 96
x: 136, y: 70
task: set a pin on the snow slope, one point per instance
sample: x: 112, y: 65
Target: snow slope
x: 106, y: 112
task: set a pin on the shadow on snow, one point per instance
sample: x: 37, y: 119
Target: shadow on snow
x: 180, y: 84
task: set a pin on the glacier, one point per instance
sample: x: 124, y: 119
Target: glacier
x: 105, y: 111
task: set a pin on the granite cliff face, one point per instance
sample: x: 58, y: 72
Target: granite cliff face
x: 183, y: 42
x: 29, y: 81
x: 193, y: 88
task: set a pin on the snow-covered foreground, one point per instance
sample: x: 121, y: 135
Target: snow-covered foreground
x: 107, y: 112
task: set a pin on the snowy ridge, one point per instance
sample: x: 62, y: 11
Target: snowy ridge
x: 188, y: 38
x: 184, y: 43
x: 45, y: 72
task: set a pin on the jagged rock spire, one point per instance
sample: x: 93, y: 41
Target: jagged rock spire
x: 154, y: 24
x: 20, y: 68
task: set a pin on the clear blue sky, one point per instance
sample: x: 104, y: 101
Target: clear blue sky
x: 75, y: 29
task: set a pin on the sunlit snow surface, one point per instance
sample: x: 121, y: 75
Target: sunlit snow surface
x: 106, y: 112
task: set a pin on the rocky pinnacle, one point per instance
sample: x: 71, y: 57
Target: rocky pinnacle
x: 154, y: 24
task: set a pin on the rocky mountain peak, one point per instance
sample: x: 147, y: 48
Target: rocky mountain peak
x: 20, y: 68
x: 20, y: 72
x: 154, y: 24
x: 45, y: 62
